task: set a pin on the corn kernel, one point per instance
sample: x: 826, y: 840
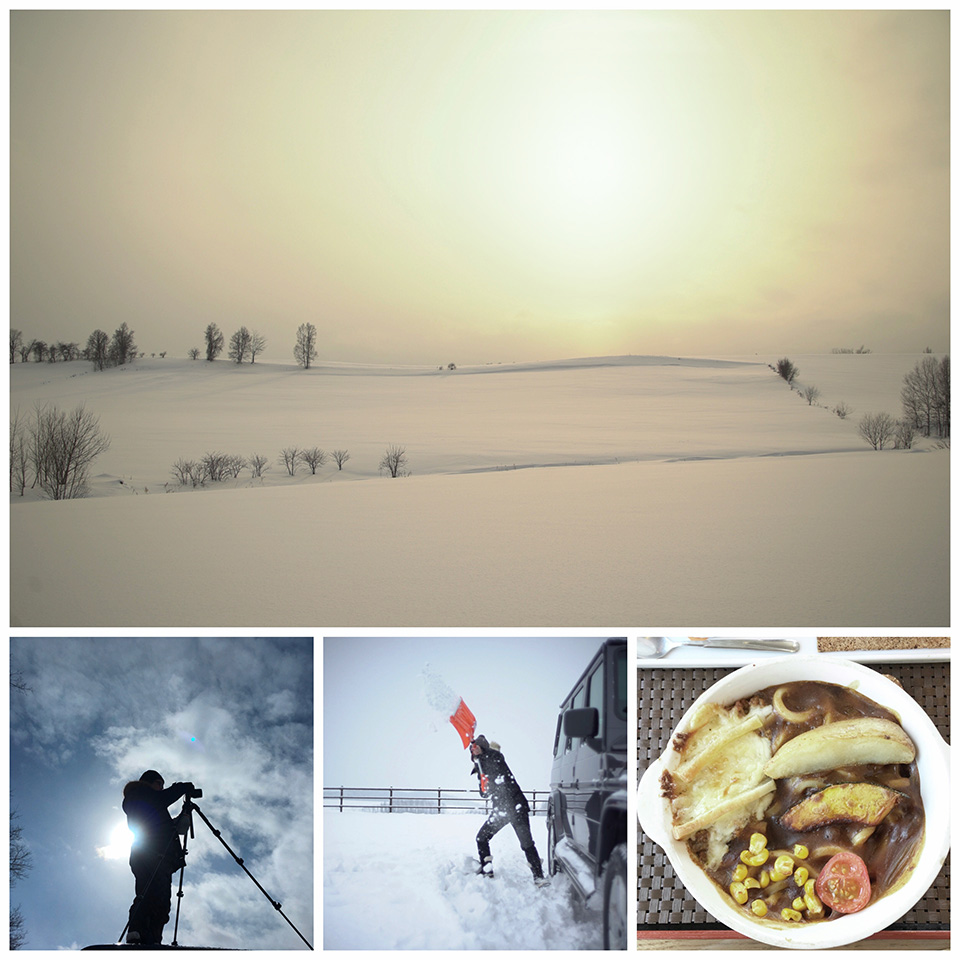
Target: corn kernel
x: 798, y: 903
x: 751, y: 883
x: 782, y: 867
x: 738, y: 891
x: 759, y: 908
x: 755, y: 859
x: 800, y: 875
x: 764, y: 879
x: 740, y: 871
x: 788, y: 914
x: 800, y: 851
x: 758, y: 842
x: 812, y: 901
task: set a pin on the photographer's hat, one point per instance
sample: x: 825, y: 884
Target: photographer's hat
x: 148, y: 776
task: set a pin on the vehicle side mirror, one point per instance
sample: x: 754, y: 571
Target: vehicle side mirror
x: 581, y: 722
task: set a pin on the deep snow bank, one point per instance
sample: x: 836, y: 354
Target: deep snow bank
x: 400, y: 881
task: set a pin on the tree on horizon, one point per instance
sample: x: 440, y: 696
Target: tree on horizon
x: 305, y: 349
x: 214, y: 341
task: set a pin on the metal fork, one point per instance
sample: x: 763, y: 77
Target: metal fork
x: 653, y: 648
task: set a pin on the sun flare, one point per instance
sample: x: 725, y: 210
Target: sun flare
x: 118, y: 848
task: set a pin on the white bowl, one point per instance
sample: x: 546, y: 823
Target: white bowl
x: 933, y: 764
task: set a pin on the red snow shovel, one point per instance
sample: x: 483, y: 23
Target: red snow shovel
x: 464, y: 722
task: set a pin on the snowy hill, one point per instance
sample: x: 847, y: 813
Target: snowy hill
x: 690, y: 491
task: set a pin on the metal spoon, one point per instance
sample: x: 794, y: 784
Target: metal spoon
x: 655, y: 647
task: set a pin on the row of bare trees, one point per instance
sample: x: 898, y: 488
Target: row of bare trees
x: 247, y: 344
x: 925, y: 396
x: 216, y: 467
x: 101, y: 349
x: 244, y: 344
x: 53, y: 449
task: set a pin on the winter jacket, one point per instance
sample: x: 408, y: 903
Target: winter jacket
x: 497, y: 782
x: 147, y: 816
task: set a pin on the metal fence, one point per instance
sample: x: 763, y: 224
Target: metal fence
x: 420, y: 800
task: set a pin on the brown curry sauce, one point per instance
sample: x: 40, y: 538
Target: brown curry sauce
x: 889, y: 852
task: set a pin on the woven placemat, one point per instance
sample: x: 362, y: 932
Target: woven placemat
x: 663, y: 696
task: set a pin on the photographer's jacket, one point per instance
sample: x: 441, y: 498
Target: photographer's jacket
x: 147, y: 816
x: 498, y: 783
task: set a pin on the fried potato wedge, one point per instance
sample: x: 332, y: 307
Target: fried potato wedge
x: 842, y: 744
x: 865, y: 803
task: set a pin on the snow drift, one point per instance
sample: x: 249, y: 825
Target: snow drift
x: 402, y: 881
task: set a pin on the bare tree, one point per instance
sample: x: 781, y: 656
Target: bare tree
x: 183, y: 471
x: 21, y: 860
x: 925, y: 396
x: 903, y: 434
x: 877, y: 429
x: 313, y: 457
x: 842, y: 410
x: 305, y: 349
x: 239, y: 345
x: 340, y: 457
x: 787, y: 370
x: 98, y: 349
x: 19, y: 454
x: 39, y: 350
x: 214, y: 341
x: 16, y: 342
x: 258, y: 343
x: 216, y: 466
x: 235, y: 463
x: 122, y: 348
x: 194, y: 353
x: 394, y: 461
x: 258, y: 463
x: 811, y: 394
x: 290, y: 458
x: 64, y: 446
x: 25, y: 349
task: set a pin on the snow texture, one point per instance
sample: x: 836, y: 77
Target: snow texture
x: 404, y: 881
x: 657, y: 491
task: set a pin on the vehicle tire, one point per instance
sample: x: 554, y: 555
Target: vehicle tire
x: 552, y: 865
x: 615, y: 900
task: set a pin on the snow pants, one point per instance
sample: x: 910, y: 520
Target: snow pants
x: 151, y: 906
x: 519, y: 819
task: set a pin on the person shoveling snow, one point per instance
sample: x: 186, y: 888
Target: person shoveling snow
x: 509, y: 806
x: 497, y: 782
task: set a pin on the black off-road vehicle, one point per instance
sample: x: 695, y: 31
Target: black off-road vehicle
x: 587, y: 814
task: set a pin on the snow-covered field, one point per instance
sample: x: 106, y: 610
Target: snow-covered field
x: 401, y: 881
x: 628, y: 491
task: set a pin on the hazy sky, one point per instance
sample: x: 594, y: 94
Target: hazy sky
x: 380, y: 728
x: 235, y: 716
x: 445, y: 186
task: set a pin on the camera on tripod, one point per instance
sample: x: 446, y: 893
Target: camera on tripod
x: 193, y: 792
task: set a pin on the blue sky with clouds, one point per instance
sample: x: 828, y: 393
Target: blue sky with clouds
x: 235, y: 716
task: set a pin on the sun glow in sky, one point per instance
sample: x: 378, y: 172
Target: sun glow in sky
x: 118, y: 847
x: 502, y: 185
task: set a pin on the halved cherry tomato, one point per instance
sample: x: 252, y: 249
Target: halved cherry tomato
x: 844, y: 884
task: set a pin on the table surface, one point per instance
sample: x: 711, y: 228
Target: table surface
x: 668, y: 917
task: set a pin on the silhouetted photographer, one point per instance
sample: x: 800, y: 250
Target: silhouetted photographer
x: 156, y: 853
